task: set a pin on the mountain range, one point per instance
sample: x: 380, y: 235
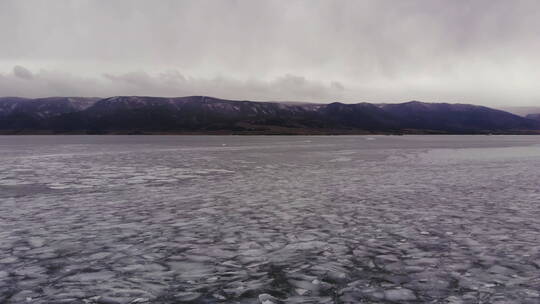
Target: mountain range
x: 521, y: 111
x: 208, y: 115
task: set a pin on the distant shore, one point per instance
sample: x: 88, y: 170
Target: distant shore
x: 257, y: 133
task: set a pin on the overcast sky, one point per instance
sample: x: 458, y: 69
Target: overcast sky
x: 478, y: 51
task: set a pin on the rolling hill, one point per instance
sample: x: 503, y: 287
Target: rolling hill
x: 202, y: 114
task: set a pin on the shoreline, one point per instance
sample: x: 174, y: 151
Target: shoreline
x: 269, y: 133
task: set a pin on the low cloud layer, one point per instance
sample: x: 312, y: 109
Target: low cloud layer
x: 22, y: 82
x: 482, y: 51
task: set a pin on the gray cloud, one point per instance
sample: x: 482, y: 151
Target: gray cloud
x: 22, y: 72
x: 482, y: 51
x: 22, y: 82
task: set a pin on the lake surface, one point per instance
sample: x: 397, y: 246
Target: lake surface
x: 233, y: 219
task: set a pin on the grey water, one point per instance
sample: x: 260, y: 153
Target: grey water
x: 269, y: 219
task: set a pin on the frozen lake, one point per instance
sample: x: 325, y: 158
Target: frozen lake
x: 206, y: 219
